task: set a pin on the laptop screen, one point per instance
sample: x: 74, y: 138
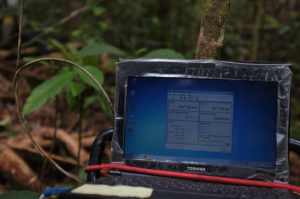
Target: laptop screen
x: 207, y: 121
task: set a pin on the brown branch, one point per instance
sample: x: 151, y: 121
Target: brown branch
x: 19, y: 48
x: 47, y: 30
x: 213, y: 23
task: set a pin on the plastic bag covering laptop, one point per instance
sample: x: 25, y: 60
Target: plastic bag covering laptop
x: 202, y: 116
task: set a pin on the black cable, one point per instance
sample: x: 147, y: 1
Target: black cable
x: 97, y: 151
x: 294, y: 145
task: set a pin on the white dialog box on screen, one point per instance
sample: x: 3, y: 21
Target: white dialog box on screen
x: 199, y: 121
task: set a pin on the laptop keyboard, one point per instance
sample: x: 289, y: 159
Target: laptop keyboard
x: 212, y: 190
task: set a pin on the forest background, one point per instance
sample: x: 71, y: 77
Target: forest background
x: 95, y: 34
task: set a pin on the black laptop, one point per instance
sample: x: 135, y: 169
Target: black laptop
x: 217, y: 118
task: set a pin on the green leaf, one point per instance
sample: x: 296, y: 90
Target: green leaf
x: 140, y: 51
x: 76, y: 32
x: 20, y: 194
x: 164, y: 54
x: 101, y: 100
x: 89, y: 60
x: 97, y: 10
x: 29, y: 59
x: 270, y: 20
x: 89, y: 100
x: 82, y: 174
x: 6, y: 124
x: 95, y: 72
x: 98, y: 49
x: 73, y: 90
x: 60, y: 47
x: 104, y: 105
x: 71, y: 49
x: 103, y: 25
x: 74, y: 102
x: 76, y: 88
x: 113, y: 90
x: 47, y: 89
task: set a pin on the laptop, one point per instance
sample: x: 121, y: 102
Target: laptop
x: 216, y: 118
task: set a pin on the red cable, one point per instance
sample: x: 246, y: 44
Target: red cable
x: 190, y: 176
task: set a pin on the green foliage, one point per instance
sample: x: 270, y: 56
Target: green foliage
x: 46, y: 90
x: 271, y: 20
x: 73, y: 102
x: 76, y: 88
x: 295, y: 130
x: 101, y: 100
x: 73, y: 79
x: 164, y: 54
x: 6, y: 124
x: 20, y: 194
x: 98, y: 28
x: 95, y: 72
x: 61, y: 48
x: 97, y: 10
x: 82, y: 174
x: 134, y: 25
x: 98, y: 49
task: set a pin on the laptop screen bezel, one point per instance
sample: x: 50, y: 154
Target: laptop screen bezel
x: 207, y: 69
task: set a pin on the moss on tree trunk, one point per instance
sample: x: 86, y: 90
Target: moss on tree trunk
x: 213, y: 23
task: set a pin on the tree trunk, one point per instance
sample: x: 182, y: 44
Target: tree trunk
x: 213, y: 23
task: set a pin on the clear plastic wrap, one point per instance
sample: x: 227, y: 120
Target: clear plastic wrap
x: 211, y: 69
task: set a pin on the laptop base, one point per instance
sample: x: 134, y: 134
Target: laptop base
x: 164, y: 187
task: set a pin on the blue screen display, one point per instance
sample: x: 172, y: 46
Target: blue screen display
x: 210, y: 121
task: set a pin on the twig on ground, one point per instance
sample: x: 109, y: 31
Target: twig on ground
x: 64, y: 137
x: 59, y: 158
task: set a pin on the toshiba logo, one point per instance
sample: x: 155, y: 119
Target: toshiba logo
x: 196, y: 168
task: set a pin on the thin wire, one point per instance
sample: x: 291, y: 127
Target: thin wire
x: 53, y: 139
x: 20, y: 34
x: 80, y: 129
x: 22, y: 119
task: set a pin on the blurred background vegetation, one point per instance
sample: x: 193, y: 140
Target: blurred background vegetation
x: 259, y: 30
x: 138, y: 27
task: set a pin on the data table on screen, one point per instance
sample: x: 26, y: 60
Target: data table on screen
x: 199, y: 121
